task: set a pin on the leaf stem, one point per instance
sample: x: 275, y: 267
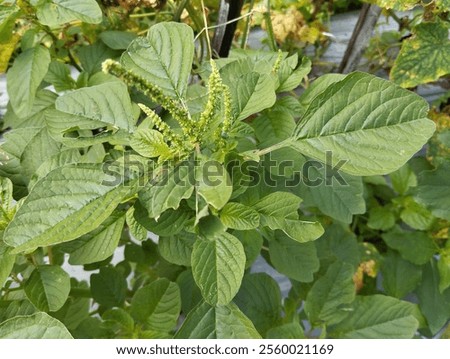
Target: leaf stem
x: 272, y: 148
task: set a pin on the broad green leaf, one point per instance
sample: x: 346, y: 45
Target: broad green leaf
x: 221, y: 322
x: 164, y: 57
x: 259, y: 298
x: 250, y: 93
x: 432, y: 191
x: 17, y: 308
x: 318, y: 87
x: 403, y: 179
x: 434, y: 305
x: 58, y: 12
x: 118, y: 317
x: 109, y: 103
x: 59, y: 76
x: 99, y: 244
x: 274, y: 125
x: 24, y: 78
x: 69, y: 202
x: 38, y: 150
x: 291, y: 74
x: 92, y: 56
x: 416, y: 247
x: 150, y: 143
x: 378, y: 317
x: 286, y: 331
x: 338, y: 244
x: 136, y: 229
x: 336, y: 194
x: 400, y: 277
x: 329, y: 300
x: 190, y: 294
x: 424, y: 56
x: 74, y: 311
x: 117, y: 40
x: 218, y: 267
x: 157, y: 305
x: 48, y: 287
x: 177, y: 249
x: 167, y: 191
x: 416, y: 216
x: 444, y: 269
x: 171, y: 222
x: 363, y: 125
x: 108, y: 287
x: 252, y: 242
x: 381, y: 218
x: 36, y: 326
x: 238, y: 216
x: 296, y: 260
x: 213, y: 183
x: 278, y: 210
x: 6, y: 262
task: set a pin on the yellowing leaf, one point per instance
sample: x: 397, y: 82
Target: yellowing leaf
x: 6, y: 51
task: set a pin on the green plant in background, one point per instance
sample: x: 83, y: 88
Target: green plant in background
x: 224, y: 165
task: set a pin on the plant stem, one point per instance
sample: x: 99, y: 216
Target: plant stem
x: 247, y: 25
x: 272, y: 42
x: 205, y: 21
x: 150, y: 14
x: 179, y: 11
x: 275, y: 147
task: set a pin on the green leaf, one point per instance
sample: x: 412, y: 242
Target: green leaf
x: 164, y: 57
x: 336, y: 194
x: 58, y: 12
x: 434, y: 305
x: 59, y: 76
x: 222, y: 322
x: 137, y: 230
x: 117, y: 40
x: 378, y: 317
x: 416, y: 247
x: 369, y: 134
x: 108, y: 287
x: 8, y: 16
x: 38, y: 150
x: 7, y: 261
x: 238, y: 216
x: 381, y: 218
x: 416, y: 216
x: 92, y: 56
x: 296, y: 260
x: 69, y: 202
x: 278, y: 210
x: 119, y: 318
x: 168, y: 190
x: 403, y: 179
x: 109, y: 103
x: 432, y: 191
x: 250, y: 93
x: 424, y: 56
x: 150, y: 143
x: 286, y: 331
x: 291, y: 75
x: 274, y: 125
x: 444, y: 269
x: 318, y: 87
x: 36, y: 326
x: 48, y: 287
x: 252, y: 242
x: 157, y: 305
x: 400, y: 277
x: 218, y: 267
x: 99, y: 244
x: 24, y: 78
x: 190, y: 294
x: 259, y: 298
x: 330, y: 297
x: 177, y: 249
x: 213, y: 183
x: 338, y: 244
